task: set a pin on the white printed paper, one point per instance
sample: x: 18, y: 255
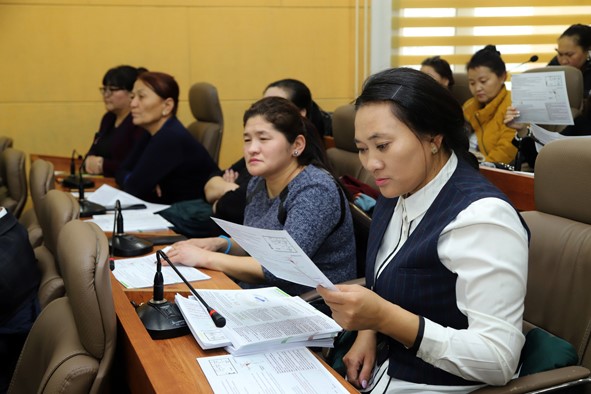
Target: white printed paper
x: 139, y: 272
x: 543, y: 137
x: 541, y: 98
x: 279, y: 253
x: 294, y: 371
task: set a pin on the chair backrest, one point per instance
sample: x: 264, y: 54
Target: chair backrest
x: 574, y: 89
x: 5, y: 142
x: 56, y: 209
x: 13, y: 174
x: 558, y: 293
x: 207, y: 110
x: 461, y: 89
x: 344, y: 156
x: 71, y: 346
x: 41, y: 180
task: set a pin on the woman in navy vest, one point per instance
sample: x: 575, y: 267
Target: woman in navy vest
x: 447, y: 253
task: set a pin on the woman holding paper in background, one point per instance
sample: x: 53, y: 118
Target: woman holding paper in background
x: 290, y: 190
x: 442, y: 297
x: 491, y: 139
x: 574, y: 49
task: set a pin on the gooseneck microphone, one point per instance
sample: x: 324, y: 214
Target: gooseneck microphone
x: 532, y: 59
x: 126, y: 245
x: 161, y: 318
x: 74, y: 181
x: 87, y: 208
x: 218, y: 319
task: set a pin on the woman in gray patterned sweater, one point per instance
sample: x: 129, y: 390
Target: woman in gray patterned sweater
x: 291, y: 189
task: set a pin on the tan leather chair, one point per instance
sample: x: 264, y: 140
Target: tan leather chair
x: 558, y: 292
x: 5, y: 142
x: 13, y: 173
x: 461, y: 89
x: 209, y: 125
x: 41, y: 180
x: 71, y: 346
x: 344, y: 156
x: 55, y: 210
x: 574, y: 89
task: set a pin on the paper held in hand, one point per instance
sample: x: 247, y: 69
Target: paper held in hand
x: 278, y: 252
x: 541, y: 98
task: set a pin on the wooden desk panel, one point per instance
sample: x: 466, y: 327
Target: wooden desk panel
x: 518, y: 187
x: 166, y: 365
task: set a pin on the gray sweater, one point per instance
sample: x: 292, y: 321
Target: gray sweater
x: 313, y: 211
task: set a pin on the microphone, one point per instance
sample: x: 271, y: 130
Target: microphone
x: 73, y: 181
x: 532, y: 59
x: 218, y: 319
x: 87, y: 208
x: 161, y: 318
x: 126, y: 245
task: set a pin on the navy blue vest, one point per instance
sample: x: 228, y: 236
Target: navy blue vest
x: 416, y: 279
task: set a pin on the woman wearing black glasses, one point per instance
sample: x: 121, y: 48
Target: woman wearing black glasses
x: 117, y: 133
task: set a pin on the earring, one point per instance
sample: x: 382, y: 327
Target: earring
x: 434, y: 149
x: 296, y: 153
x: 164, y: 113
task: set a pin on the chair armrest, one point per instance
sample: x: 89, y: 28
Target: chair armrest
x: 313, y: 296
x: 560, y: 377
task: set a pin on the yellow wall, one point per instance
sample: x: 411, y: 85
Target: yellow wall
x: 54, y: 55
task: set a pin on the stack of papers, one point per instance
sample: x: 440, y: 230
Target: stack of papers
x: 257, y: 320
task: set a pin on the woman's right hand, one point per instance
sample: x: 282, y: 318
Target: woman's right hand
x: 360, y: 359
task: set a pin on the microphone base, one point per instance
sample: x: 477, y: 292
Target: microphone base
x: 73, y: 182
x: 125, y: 245
x: 163, y: 320
x: 88, y: 208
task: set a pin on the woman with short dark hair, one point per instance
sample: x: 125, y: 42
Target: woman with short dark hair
x: 168, y: 164
x: 117, y: 134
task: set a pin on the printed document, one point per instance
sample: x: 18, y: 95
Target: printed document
x: 278, y: 252
x: 259, y: 320
x: 294, y: 371
x: 138, y: 272
x: 107, y: 196
x: 133, y: 220
x: 543, y: 137
x: 202, y: 327
x: 541, y: 98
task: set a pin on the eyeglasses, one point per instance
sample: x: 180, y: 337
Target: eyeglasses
x: 108, y: 90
